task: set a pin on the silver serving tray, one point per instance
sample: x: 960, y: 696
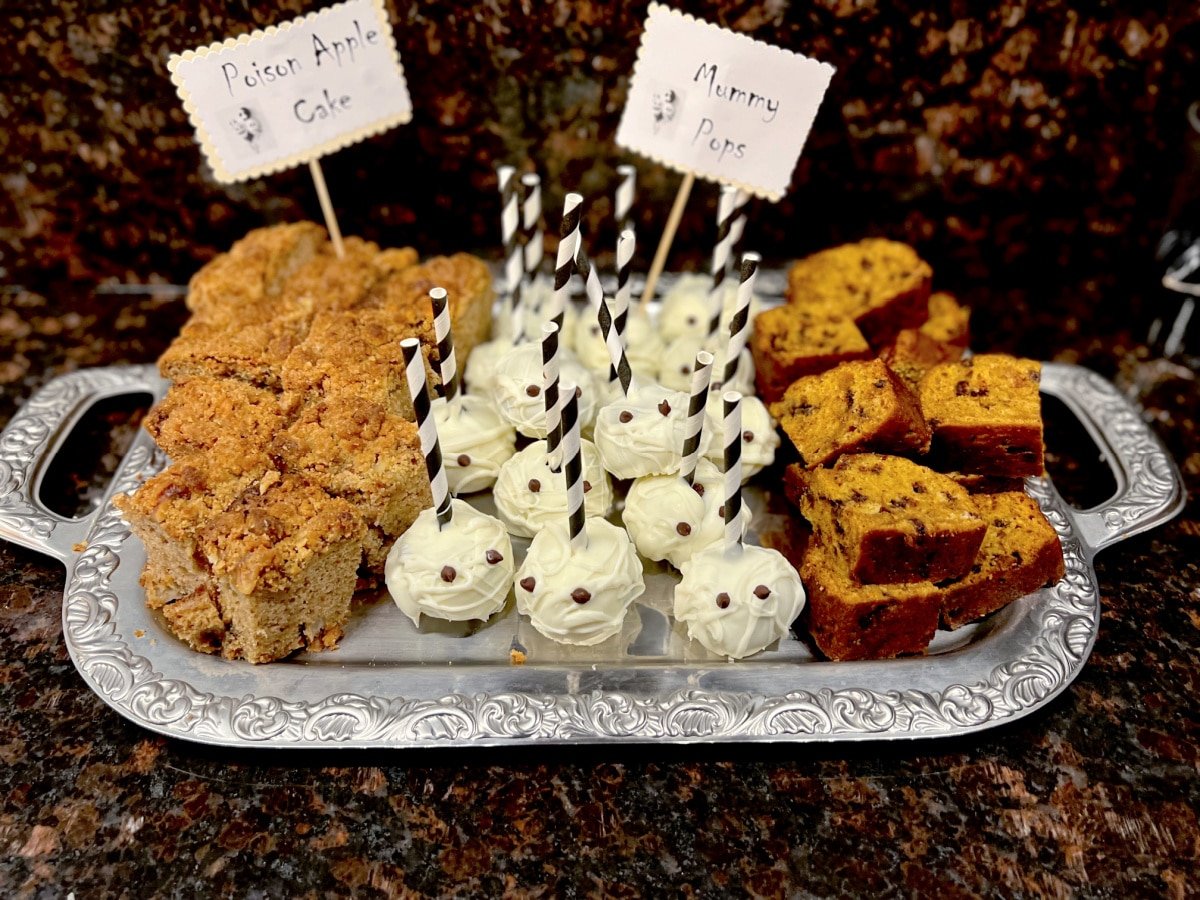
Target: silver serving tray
x: 388, y: 685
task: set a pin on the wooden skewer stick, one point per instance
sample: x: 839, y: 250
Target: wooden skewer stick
x: 331, y: 222
x: 664, y: 245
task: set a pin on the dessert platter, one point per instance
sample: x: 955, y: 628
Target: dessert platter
x: 376, y: 505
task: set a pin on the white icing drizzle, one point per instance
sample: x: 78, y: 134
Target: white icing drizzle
x: 657, y: 504
x: 518, y: 385
x: 757, y: 453
x: 643, y: 346
x: 649, y: 443
x: 679, y: 359
x: 414, y: 570
x: 470, y: 428
x: 526, y: 512
x: 609, y: 571
x: 748, y: 623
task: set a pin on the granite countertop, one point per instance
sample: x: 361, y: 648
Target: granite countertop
x: 1095, y: 794
x: 1029, y: 151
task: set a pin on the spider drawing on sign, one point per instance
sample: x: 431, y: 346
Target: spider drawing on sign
x: 663, y: 104
x: 247, y: 126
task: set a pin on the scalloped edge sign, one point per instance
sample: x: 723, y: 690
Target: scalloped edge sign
x: 288, y: 94
x: 720, y: 105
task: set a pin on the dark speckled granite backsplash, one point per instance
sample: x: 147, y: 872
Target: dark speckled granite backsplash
x: 1004, y: 139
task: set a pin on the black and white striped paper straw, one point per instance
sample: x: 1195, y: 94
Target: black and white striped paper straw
x: 550, y: 392
x: 738, y: 229
x: 739, y: 324
x: 564, y: 264
x: 720, y: 257
x: 619, y: 366
x: 733, y: 469
x: 626, y: 244
x: 510, y: 220
x: 697, y: 403
x: 623, y: 205
x: 414, y: 371
x: 531, y: 224
x: 447, y: 363
x: 572, y: 452
x: 591, y: 277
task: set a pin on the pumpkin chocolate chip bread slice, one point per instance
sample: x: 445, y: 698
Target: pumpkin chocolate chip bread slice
x: 854, y: 406
x: 986, y: 415
x: 892, y: 520
x: 1020, y: 554
x: 883, y: 285
x: 791, y: 341
x: 849, y: 620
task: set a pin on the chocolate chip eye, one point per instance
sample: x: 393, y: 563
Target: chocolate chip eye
x: 722, y: 600
x: 448, y: 573
x: 683, y: 529
x: 581, y: 595
x: 464, y: 460
x: 626, y: 416
x: 683, y: 370
x: 528, y: 584
x: 747, y: 436
x: 698, y: 488
x: 578, y: 392
x: 691, y: 320
x: 595, y: 330
x: 493, y: 557
x: 587, y: 485
x: 762, y: 592
x: 533, y: 390
x: 721, y: 511
x: 664, y: 408
x: 535, y: 485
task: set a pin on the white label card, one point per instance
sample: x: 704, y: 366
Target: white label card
x: 290, y: 93
x: 719, y: 104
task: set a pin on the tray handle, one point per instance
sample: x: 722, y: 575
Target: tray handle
x: 32, y: 438
x: 1149, y: 487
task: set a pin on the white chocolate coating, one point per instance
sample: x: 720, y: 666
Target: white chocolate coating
x: 759, y: 451
x: 643, y: 346
x: 475, y: 442
x: 657, y: 505
x: 685, y: 307
x: 609, y: 571
x: 525, y: 512
x: 517, y: 389
x: 747, y: 623
x: 679, y: 359
x: 479, y: 376
x: 651, y: 441
x: 421, y: 558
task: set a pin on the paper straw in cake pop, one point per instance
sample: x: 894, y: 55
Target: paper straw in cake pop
x: 531, y: 224
x: 738, y: 229
x: 739, y: 324
x: 564, y: 264
x: 418, y: 389
x: 626, y: 244
x: 623, y: 205
x: 619, y: 368
x: 591, y: 277
x: 733, y: 469
x: 514, y: 265
x: 720, y: 257
x: 697, y: 403
x: 447, y: 363
x: 572, y: 453
x: 550, y: 392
